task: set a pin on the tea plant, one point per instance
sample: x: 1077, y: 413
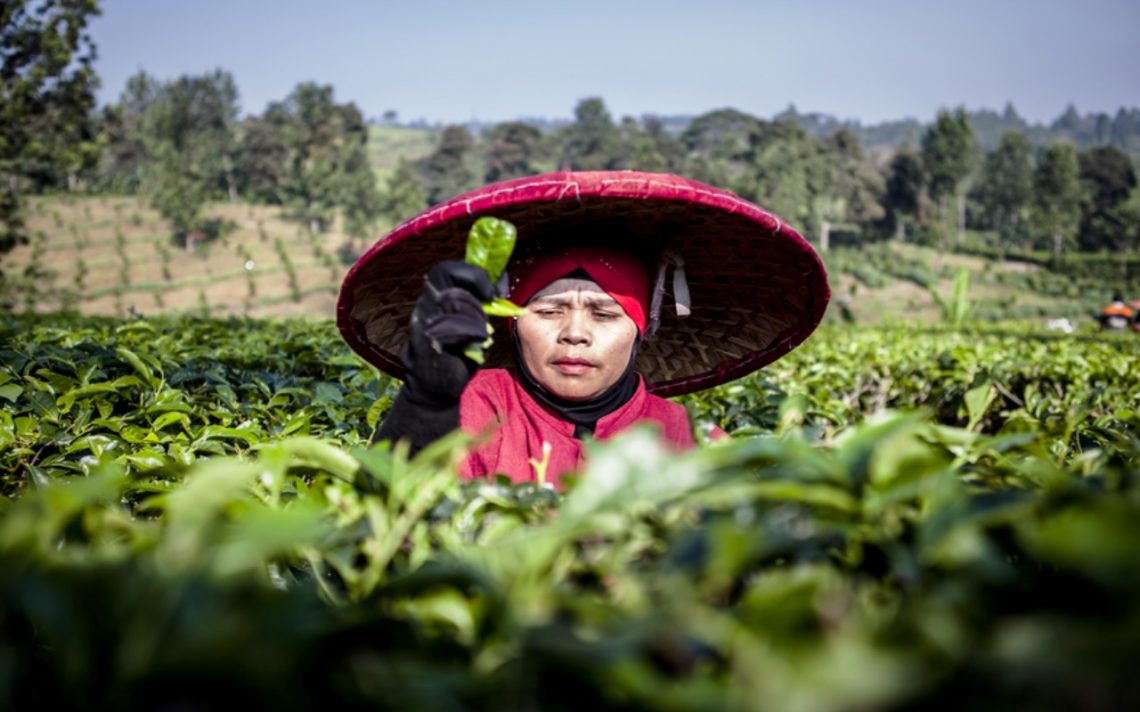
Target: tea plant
x: 193, y: 516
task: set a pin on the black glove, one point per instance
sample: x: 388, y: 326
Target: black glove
x: 448, y: 317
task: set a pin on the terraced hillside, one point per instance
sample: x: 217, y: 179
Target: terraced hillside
x: 114, y: 255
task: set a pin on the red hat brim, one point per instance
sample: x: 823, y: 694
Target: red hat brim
x: 757, y: 288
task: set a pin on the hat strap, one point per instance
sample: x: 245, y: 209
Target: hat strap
x: 681, y: 297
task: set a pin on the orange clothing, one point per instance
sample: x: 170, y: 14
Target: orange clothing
x: 1116, y: 316
x: 1117, y: 310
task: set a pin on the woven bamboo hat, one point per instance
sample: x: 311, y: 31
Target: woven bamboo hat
x: 756, y: 288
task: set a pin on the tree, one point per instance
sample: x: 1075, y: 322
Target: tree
x: 670, y: 149
x: 1057, y: 194
x: 178, y: 195
x: 123, y: 164
x: 947, y: 156
x: 360, y: 200
x: 592, y: 142
x: 47, y: 86
x: 721, y: 148
x: 845, y: 188
x: 788, y: 174
x: 261, y: 161
x: 188, y: 129
x: 512, y: 148
x: 445, y: 169
x: 1107, y: 179
x: 326, y: 168
x: 903, y: 197
x: 405, y: 196
x: 647, y: 146
x: 1006, y: 186
x: 725, y: 134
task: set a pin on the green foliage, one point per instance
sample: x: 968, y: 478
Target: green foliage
x: 192, y: 517
x: 904, y: 191
x: 592, y: 142
x: 175, y: 142
x: 1057, y: 194
x: 178, y: 196
x: 445, y: 171
x: 808, y: 168
x: 948, y: 156
x: 947, y: 148
x: 512, y: 148
x: 788, y: 173
x: 490, y: 244
x: 650, y: 147
x: 361, y: 202
x: 325, y: 161
x: 1108, y: 178
x: 404, y: 197
x: 47, y: 94
x: 956, y: 309
x: 1006, y: 187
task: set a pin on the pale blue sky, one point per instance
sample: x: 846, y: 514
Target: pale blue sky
x: 446, y: 60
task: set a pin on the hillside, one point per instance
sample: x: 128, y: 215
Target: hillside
x: 114, y: 256
x: 387, y: 144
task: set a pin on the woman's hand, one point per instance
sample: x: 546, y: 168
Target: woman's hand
x: 448, y: 317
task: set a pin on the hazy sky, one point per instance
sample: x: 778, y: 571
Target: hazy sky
x: 493, y: 60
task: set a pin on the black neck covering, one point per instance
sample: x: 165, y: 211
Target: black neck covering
x: 584, y: 414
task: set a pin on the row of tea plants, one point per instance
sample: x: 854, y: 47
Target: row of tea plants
x: 193, y: 517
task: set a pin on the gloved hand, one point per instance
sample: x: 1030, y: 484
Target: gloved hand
x: 447, y: 318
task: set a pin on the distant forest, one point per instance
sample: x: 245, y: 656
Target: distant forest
x: 180, y: 144
x: 979, y: 179
x: 967, y: 180
x: 1121, y: 129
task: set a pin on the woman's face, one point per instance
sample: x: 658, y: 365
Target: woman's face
x: 575, y: 339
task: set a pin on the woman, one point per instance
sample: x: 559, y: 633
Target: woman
x: 600, y: 256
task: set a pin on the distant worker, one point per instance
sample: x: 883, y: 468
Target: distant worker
x: 1117, y: 316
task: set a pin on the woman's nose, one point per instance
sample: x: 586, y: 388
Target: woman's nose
x: 575, y: 328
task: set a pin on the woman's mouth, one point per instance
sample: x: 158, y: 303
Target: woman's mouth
x: 572, y: 366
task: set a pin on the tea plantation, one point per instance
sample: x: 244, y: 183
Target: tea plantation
x: 904, y: 518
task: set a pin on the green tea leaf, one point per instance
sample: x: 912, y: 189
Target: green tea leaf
x: 490, y: 244
x: 978, y: 400
x: 139, y: 365
x: 503, y: 307
x: 317, y: 453
x: 475, y: 353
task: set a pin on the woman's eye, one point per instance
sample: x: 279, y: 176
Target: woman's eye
x: 605, y: 316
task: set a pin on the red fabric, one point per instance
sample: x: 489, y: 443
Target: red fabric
x: 390, y: 272
x: 621, y: 275
x: 494, y: 401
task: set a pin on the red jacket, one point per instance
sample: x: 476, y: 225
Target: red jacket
x: 495, y: 401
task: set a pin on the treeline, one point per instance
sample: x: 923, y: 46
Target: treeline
x: 181, y: 143
x: 944, y: 189
x: 1089, y: 130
